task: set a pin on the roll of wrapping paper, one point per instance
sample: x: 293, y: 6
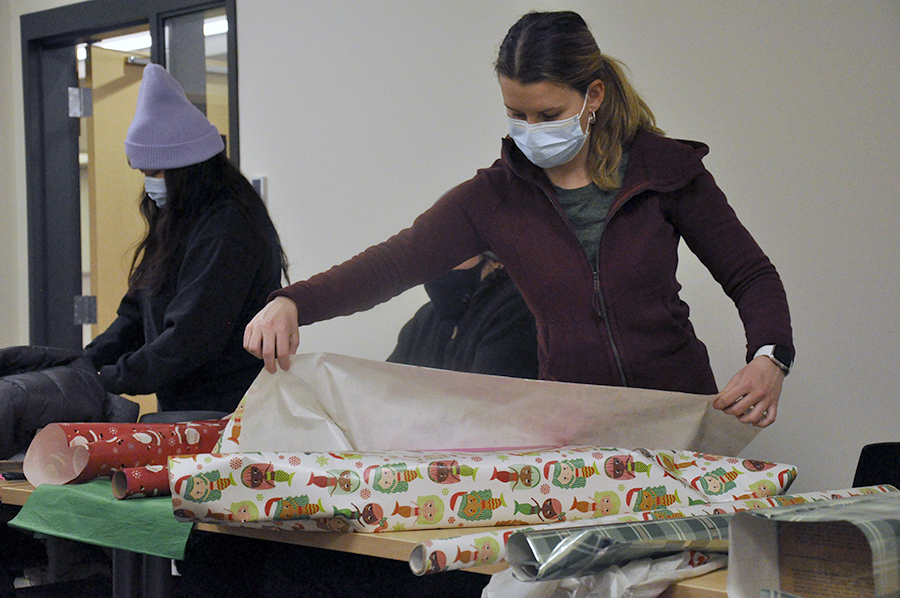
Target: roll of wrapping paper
x: 140, y: 482
x: 65, y: 453
x: 489, y: 547
x: 404, y: 490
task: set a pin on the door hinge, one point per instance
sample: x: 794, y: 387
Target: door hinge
x: 81, y: 103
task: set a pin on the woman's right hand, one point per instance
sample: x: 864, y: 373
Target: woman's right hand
x: 273, y: 334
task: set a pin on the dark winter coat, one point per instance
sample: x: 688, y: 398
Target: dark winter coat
x: 43, y: 385
x: 494, y: 335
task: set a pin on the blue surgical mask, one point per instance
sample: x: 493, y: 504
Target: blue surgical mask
x: 156, y: 189
x: 551, y: 143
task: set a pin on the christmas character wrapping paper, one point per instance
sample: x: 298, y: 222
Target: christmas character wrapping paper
x: 140, y: 482
x: 406, y: 490
x: 230, y: 439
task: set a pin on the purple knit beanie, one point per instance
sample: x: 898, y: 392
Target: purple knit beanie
x: 168, y: 131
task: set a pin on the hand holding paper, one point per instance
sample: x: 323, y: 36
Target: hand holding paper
x: 752, y: 394
x: 273, y: 334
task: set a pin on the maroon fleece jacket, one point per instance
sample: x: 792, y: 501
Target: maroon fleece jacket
x: 624, y: 324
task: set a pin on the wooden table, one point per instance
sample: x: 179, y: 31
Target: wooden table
x: 389, y: 545
x: 15, y: 492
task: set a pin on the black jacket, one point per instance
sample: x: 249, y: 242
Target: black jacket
x: 495, y: 335
x: 185, y: 343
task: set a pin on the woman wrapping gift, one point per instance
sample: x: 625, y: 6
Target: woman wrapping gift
x: 585, y: 208
x: 205, y: 267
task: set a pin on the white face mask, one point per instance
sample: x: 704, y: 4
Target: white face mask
x: 156, y: 189
x: 551, y: 143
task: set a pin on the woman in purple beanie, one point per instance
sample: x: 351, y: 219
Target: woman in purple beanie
x: 208, y: 261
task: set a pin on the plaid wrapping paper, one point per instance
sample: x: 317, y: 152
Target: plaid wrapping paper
x: 434, y: 556
x: 877, y: 516
x: 582, y: 551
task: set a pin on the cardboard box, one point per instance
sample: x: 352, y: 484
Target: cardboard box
x: 843, y: 548
x: 825, y: 560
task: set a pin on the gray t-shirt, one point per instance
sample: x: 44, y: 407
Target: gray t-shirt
x: 587, y: 209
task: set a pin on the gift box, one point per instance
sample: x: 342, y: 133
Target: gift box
x: 830, y: 549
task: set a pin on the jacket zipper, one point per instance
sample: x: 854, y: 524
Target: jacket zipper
x: 600, y: 308
x: 599, y: 301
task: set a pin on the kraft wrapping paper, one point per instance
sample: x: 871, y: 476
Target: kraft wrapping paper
x: 538, y: 552
x: 327, y: 402
x: 405, y: 490
x: 65, y: 453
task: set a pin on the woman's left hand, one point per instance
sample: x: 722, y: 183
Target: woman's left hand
x: 752, y: 394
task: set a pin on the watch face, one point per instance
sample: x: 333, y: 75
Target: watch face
x: 783, y: 356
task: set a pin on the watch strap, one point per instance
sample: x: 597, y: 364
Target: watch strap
x: 781, y: 356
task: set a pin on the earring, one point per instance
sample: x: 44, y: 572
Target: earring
x: 593, y: 117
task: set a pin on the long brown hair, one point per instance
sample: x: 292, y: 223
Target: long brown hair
x: 558, y: 47
x: 190, y: 192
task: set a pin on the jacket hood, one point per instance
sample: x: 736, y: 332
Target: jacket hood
x: 655, y: 162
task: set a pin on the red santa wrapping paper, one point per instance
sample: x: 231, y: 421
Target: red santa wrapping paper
x: 65, y: 453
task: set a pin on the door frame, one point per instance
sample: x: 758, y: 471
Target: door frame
x: 49, y: 38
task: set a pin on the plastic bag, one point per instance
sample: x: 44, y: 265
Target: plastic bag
x: 644, y: 578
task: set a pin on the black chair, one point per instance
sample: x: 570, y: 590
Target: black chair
x: 879, y: 463
x: 145, y: 575
x: 174, y: 417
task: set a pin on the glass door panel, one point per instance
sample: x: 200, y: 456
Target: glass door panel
x: 196, y: 55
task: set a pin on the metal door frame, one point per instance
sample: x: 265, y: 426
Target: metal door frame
x: 49, y: 38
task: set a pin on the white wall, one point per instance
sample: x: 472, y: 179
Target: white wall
x: 361, y: 114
